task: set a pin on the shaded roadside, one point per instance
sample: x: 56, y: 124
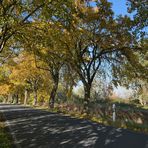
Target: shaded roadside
x: 6, y: 140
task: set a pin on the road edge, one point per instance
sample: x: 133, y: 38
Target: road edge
x: 17, y: 145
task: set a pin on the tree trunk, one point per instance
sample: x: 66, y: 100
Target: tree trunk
x: 26, y: 97
x: 55, y: 77
x: 35, y: 97
x: 13, y: 99
x: 87, y: 88
x: 53, y: 94
x: 5, y: 99
x: 17, y: 98
x: 9, y: 98
x: 69, y: 92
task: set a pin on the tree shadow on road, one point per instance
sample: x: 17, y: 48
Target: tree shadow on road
x: 42, y: 129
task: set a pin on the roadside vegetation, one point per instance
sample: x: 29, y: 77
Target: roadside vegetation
x: 5, y: 138
x: 128, y: 116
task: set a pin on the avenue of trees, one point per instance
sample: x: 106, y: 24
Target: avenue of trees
x: 49, y: 46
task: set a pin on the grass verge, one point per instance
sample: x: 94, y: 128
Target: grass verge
x: 121, y: 122
x: 5, y: 137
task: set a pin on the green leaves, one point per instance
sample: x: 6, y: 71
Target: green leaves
x: 139, y: 10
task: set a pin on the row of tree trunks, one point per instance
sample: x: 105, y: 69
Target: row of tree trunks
x: 12, y: 98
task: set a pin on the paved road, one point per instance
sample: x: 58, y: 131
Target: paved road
x: 33, y: 128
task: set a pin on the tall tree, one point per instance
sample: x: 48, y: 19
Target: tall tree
x: 48, y: 50
x: 97, y: 41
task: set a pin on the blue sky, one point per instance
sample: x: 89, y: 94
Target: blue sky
x: 119, y: 7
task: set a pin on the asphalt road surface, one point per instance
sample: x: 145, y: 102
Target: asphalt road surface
x: 32, y: 128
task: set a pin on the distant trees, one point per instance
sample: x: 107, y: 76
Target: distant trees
x: 24, y: 77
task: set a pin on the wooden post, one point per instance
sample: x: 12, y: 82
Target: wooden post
x: 114, y: 112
